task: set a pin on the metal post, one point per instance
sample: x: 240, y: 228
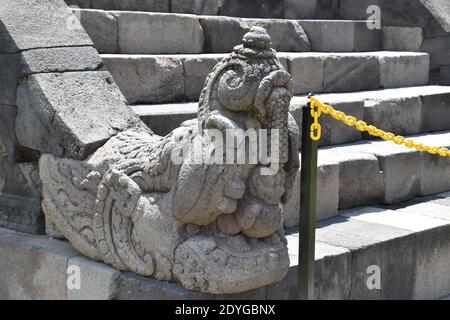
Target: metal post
x: 308, y: 197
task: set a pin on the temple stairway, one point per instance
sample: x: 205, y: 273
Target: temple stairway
x: 160, y: 56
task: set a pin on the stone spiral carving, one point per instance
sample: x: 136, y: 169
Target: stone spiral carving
x: 212, y: 227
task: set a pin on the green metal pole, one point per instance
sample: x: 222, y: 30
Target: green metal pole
x: 308, y: 198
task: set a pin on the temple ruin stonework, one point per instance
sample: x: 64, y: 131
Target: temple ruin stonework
x: 149, y: 149
x: 215, y: 228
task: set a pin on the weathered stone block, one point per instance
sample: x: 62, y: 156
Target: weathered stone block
x: 33, y: 267
x: 400, y: 182
x: 10, y: 66
x: 412, y: 266
x: 341, y: 36
x: 215, y: 29
x: 132, y: 5
x: 20, y: 179
x: 97, y: 280
x: 101, y: 27
x: 435, y: 47
x: 402, y: 115
x: 159, y: 33
x: 403, y: 70
x: 402, y: 38
x: 397, y: 269
x: 60, y: 60
x: 332, y: 273
x: 327, y: 9
x: 435, y: 111
x: 209, y: 7
x: 252, y: 9
x: 286, y: 35
x: 339, y: 132
x: 196, y: 70
x: 310, y: 9
x: 134, y: 287
x: 367, y: 39
x: 21, y: 213
x: 52, y: 24
x: 444, y: 75
x: 350, y: 9
x: 20, y: 187
x: 300, y: 9
x: 351, y: 72
x: 330, y: 36
x: 307, y: 72
x: 284, y: 61
x: 147, y: 79
x: 162, y: 119
x: 372, y: 244
x: 70, y: 114
x: 434, y: 173
x: 432, y: 263
x: 354, y: 191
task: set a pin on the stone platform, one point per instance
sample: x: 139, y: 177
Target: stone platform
x: 409, y: 242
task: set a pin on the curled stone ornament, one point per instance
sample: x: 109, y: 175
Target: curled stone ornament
x: 212, y: 227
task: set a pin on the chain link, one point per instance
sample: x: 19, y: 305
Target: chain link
x: 317, y: 108
x: 316, y: 128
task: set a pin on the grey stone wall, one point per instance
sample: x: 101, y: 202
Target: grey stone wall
x: 414, y: 25
x: 52, y: 100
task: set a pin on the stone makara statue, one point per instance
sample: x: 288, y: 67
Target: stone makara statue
x: 212, y: 227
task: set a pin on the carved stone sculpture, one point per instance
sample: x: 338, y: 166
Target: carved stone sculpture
x: 212, y: 227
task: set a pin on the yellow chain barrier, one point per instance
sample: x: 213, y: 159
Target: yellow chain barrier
x: 317, y: 108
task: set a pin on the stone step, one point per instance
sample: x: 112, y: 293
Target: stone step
x: 174, y: 78
x: 128, y: 5
x: 363, y: 172
x: 408, y: 110
x: 407, y: 246
x: 290, y: 9
x: 400, y: 243
x: 377, y: 172
x: 155, y: 33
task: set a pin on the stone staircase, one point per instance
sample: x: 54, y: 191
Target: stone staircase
x: 160, y: 61
x: 159, y: 54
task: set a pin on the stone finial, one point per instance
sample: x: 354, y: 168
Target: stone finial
x: 257, y: 38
